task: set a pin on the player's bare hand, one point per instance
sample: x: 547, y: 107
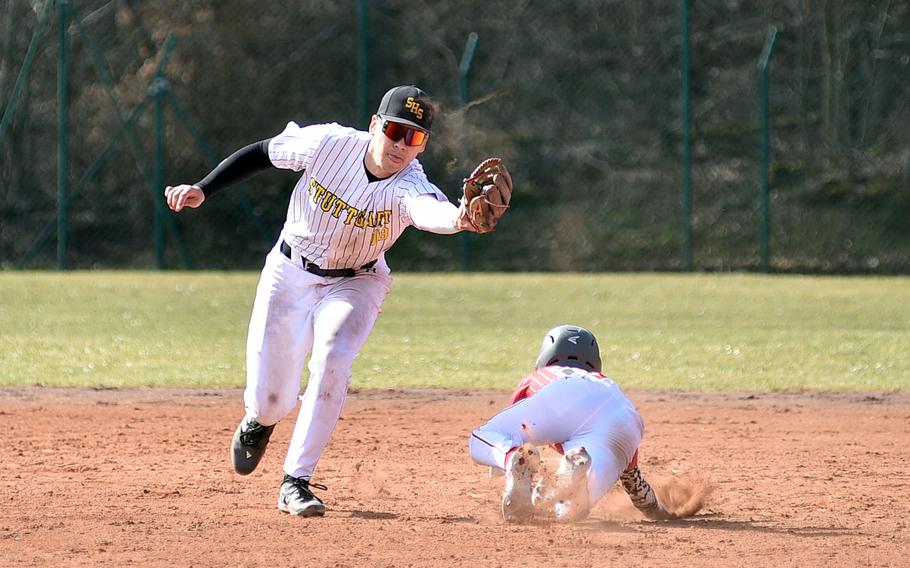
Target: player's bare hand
x: 180, y: 196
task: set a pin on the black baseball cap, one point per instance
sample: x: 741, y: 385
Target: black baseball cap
x: 409, y: 105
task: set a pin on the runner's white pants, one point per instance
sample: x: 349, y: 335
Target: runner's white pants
x: 296, y: 314
x: 573, y: 411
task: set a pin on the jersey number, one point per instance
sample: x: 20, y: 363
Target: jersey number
x: 379, y: 234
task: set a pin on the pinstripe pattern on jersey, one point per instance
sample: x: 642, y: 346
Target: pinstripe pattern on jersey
x: 336, y: 217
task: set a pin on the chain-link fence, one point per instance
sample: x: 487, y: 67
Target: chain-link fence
x: 584, y: 99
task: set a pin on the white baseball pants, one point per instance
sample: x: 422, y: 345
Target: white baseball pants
x: 575, y: 411
x: 296, y: 314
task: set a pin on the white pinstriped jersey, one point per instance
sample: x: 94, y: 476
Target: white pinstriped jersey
x: 336, y: 217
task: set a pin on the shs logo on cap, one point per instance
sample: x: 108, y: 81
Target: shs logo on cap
x: 409, y: 105
x: 412, y: 105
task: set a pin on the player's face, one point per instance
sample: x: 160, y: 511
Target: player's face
x: 387, y: 156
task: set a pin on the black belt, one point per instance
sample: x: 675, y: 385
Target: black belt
x: 313, y: 268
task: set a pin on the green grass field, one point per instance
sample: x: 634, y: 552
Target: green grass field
x: 656, y: 331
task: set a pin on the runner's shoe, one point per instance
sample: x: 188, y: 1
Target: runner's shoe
x: 565, y: 495
x: 522, y: 464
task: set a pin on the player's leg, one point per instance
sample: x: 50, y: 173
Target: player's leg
x: 527, y: 422
x: 509, y: 439
x: 549, y: 417
x: 342, y: 321
x: 521, y: 468
x: 554, y: 414
x: 642, y: 494
x: 491, y: 443
x: 278, y: 341
x: 609, y: 441
x: 564, y: 493
x: 503, y: 443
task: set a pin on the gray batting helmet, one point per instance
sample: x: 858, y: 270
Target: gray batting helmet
x: 569, y: 346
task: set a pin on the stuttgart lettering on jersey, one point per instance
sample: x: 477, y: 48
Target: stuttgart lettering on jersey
x: 330, y: 203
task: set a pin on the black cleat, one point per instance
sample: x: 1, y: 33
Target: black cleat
x: 296, y: 498
x: 248, y: 445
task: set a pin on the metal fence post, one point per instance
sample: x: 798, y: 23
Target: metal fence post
x: 62, y: 135
x: 362, y: 64
x: 159, y: 90
x: 464, y: 96
x: 686, y: 194
x: 22, y: 77
x: 764, y: 151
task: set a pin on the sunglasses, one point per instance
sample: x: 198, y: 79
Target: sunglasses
x: 395, y: 131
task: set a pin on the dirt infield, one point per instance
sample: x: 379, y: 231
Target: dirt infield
x: 143, y: 477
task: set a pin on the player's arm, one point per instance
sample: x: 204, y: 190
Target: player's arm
x: 427, y: 213
x: 237, y: 167
x: 642, y: 494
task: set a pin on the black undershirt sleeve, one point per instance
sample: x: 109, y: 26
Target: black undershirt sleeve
x: 237, y: 167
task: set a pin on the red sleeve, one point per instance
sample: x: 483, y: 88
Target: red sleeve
x: 634, y: 462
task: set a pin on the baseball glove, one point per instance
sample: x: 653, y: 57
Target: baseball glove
x: 486, y: 194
